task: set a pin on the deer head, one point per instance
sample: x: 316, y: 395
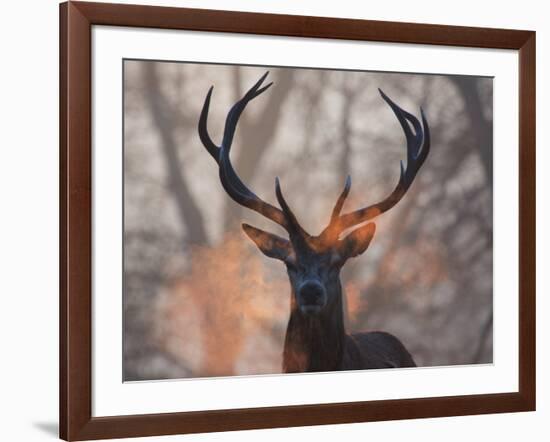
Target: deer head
x: 313, y: 262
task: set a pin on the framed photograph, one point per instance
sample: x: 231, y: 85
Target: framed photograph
x: 273, y: 220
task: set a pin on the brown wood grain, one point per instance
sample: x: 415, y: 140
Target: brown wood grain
x: 76, y: 20
x: 299, y: 26
x: 527, y: 220
x: 75, y: 216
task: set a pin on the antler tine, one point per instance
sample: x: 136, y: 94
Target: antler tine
x: 418, y: 147
x: 331, y: 232
x: 211, y: 147
x: 231, y: 182
x: 231, y: 119
x: 237, y: 109
x: 291, y: 218
x: 341, y: 199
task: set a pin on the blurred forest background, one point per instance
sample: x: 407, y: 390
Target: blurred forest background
x: 201, y: 300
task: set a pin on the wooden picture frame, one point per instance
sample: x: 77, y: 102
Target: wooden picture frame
x: 76, y: 21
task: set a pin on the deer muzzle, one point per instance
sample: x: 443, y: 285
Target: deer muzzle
x: 312, y: 297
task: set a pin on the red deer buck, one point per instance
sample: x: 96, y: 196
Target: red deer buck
x: 316, y: 339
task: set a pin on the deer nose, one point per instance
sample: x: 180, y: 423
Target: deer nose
x: 312, y: 293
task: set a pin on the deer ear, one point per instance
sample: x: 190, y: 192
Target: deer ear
x: 357, y: 241
x: 271, y: 245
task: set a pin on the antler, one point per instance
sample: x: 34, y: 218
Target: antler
x: 231, y: 182
x: 418, y: 147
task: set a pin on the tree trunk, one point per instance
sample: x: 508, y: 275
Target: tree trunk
x: 161, y: 114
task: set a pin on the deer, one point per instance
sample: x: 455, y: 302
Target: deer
x: 316, y: 339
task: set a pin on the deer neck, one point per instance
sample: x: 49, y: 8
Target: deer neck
x: 315, y: 343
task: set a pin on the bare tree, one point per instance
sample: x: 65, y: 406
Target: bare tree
x: 163, y: 116
x: 427, y: 278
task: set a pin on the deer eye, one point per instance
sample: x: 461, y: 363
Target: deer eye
x: 336, y: 259
x: 290, y: 262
